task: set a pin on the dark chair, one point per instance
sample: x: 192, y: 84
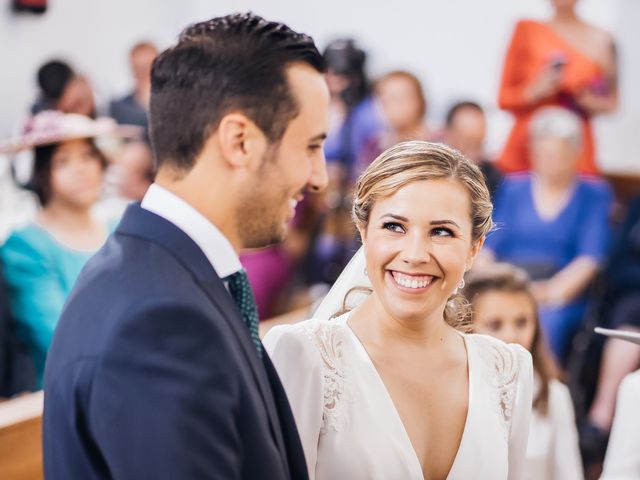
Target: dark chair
x: 17, y: 371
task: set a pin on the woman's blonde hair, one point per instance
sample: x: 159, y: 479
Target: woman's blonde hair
x: 414, y: 161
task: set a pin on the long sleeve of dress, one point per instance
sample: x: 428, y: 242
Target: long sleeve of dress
x: 35, y: 292
x: 514, y: 77
x: 567, y: 463
x: 299, y: 365
x: 520, y: 414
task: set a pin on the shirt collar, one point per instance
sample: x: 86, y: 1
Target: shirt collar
x: 205, y: 234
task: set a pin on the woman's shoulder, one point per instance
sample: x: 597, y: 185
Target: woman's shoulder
x: 507, y: 371
x: 29, y: 239
x: 515, y: 184
x: 526, y: 26
x: 507, y: 361
x: 597, y: 188
x: 323, y: 338
x: 599, y: 34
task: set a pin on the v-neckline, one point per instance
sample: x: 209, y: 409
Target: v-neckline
x: 406, y: 439
x: 534, y: 194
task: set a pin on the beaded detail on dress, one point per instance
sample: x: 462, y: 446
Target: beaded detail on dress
x: 502, y: 373
x: 328, y: 337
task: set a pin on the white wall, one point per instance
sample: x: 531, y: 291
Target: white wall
x: 455, y: 46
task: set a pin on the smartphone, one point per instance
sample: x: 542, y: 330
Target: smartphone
x: 557, y: 61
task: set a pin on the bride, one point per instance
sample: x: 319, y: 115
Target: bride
x: 387, y: 384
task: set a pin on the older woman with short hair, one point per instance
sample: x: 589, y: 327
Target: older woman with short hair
x: 554, y: 224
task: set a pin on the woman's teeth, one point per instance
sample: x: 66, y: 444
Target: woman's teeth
x: 411, y: 281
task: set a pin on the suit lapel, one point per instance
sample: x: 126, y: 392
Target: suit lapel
x: 149, y: 226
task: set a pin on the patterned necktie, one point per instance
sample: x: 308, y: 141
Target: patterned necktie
x: 242, y: 294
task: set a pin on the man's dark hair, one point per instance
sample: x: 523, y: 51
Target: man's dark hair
x: 344, y: 57
x: 456, y: 107
x: 53, y: 77
x: 236, y: 62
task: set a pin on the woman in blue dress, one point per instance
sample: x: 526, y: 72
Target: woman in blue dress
x: 43, y: 259
x: 554, y: 224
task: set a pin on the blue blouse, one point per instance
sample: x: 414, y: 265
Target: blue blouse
x: 40, y: 273
x: 545, y: 246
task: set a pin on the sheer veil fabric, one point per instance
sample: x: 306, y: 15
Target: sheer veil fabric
x: 353, y: 276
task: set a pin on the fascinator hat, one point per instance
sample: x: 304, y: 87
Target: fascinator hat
x: 50, y: 126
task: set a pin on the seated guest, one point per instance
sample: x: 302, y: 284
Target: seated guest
x: 554, y: 224
x: 404, y: 107
x: 619, y: 358
x: 43, y: 259
x: 133, y: 108
x: 63, y: 89
x: 465, y: 130
x: 133, y: 169
x: 16, y: 367
x: 504, y: 307
x: 352, y: 114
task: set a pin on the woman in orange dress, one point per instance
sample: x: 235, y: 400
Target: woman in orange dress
x: 564, y: 61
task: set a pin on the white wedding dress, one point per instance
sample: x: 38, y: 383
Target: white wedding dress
x: 350, y: 428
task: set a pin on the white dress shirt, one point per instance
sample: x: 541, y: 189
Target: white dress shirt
x: 205, y: 234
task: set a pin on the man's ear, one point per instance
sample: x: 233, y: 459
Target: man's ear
x: 240, y: 140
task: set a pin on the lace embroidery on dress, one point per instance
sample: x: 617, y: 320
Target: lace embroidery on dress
x: 328, y: 337
x: 502, y: 373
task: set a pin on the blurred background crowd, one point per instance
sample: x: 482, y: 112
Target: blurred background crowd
x: 566, y: 195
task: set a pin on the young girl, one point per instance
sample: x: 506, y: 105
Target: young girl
x: 504, y: 307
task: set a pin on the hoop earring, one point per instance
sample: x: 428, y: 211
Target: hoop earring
x: 461, y: 284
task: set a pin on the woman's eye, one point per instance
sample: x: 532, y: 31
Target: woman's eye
x: 442, y: 232
x: 393, y: 227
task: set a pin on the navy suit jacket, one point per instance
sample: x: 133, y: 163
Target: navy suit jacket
x: 152, y: 373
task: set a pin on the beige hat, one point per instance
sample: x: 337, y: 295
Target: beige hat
x: 621, y: 334
x: 52, y: 126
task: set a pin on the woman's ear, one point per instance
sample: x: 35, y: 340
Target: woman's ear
x: 473, y: 253
x: 363, y: 233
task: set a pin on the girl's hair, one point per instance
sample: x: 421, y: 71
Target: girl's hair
x: 415, y: 161
x: 502, y: 277
x: 40, y: 182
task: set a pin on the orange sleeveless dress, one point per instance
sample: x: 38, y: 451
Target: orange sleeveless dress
x: 533, y: 46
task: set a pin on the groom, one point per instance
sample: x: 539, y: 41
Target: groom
x: 156, y: 370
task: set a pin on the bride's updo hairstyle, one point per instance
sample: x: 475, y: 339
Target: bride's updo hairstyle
x: 415, y: 161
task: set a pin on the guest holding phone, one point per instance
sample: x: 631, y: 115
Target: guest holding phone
x: 563, y: 61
